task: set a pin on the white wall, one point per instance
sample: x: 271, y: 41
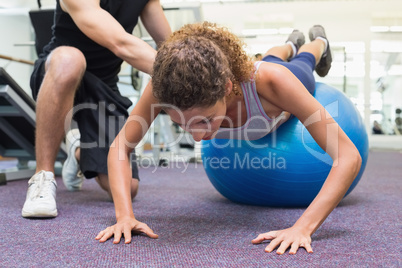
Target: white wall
x: 15, y: 35
x: 344, y: 21
x: 15, y: 30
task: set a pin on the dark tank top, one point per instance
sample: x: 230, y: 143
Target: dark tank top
x: 100, y: 61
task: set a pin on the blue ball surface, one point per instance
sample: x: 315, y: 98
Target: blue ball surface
x: 285, y: 168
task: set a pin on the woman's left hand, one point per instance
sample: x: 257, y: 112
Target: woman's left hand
x: 283, y: 239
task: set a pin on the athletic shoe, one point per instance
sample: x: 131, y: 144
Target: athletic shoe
x: 324, y: 65
x: 297, y: 39
x: 72, y: 177
x: 41, y: 196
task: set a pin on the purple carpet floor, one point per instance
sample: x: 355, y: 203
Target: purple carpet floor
x: 198, y: 227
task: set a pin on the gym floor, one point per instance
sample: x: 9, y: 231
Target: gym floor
x: 199, y: 227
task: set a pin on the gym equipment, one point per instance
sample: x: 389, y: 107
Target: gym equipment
x: 17, y: 129
x: 286, y: 168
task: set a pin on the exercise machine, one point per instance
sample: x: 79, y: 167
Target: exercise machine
x: 17, y: 129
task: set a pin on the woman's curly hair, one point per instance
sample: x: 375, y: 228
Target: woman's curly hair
x: 193, y: 66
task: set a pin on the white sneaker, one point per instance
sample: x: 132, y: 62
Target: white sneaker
x: 41, y: 196
x: 72, y: 176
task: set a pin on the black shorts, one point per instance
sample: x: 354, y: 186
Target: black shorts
x: 100, y: 111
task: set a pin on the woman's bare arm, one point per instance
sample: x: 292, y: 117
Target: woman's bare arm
x: 278, y: 85
x: 119, y: 168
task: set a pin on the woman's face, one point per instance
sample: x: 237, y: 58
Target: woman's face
x: 201, y: 123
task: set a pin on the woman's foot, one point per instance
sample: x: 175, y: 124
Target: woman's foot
x: 296, y: 39
x: 323, y: 67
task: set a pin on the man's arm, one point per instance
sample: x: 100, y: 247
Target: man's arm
x: 155, y: 21
x: 102, y: 28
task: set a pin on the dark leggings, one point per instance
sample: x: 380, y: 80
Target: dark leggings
x: 302, y: 66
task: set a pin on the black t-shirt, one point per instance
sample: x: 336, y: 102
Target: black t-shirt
x: 100, y: 61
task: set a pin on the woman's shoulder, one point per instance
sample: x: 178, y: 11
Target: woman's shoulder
x: 270, y: 78
x: 265, y: 81
x: 266, y: 74
x: 270, y: 74
x: 270, y: 70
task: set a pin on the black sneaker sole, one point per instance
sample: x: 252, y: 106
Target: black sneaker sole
x: 324, y: 65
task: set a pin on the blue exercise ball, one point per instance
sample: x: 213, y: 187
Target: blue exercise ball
x: 286, y: 168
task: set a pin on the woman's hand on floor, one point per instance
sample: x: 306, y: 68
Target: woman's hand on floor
x: 283, y: 239
x: 125, y: 227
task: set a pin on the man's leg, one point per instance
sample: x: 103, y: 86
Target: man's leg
x: 98, y: 126
x: 103, y: 181
x: 64, y: 69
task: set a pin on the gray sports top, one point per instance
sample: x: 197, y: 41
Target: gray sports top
x: 258, y: 123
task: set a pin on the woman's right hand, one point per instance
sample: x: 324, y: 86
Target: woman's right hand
x: 125, y: 227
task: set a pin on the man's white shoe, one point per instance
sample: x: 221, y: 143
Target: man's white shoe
x: 72, y: 177
x: 41, y: 196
